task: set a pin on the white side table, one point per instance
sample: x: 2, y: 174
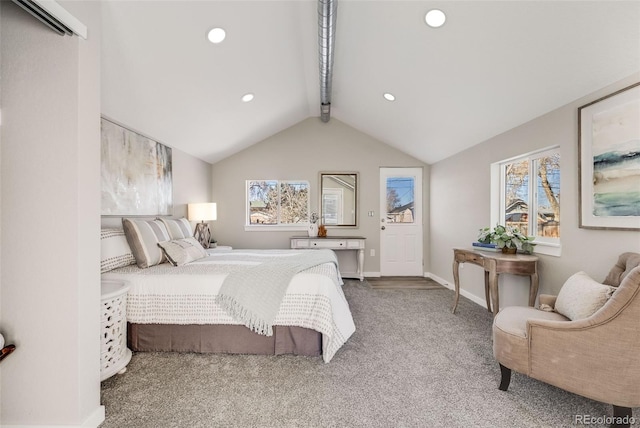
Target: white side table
x: 114, y: 354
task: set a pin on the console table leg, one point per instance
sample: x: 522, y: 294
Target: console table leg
x: 533, y: 288
x: 493, y: 286
x: 487, y: 295
x: 456, y: 281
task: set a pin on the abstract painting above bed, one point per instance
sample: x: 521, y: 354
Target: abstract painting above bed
x: 188, y: 294
x: 136, y: 173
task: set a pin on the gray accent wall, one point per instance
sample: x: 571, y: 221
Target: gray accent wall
x: 301, y: 152
x: 460, y: 191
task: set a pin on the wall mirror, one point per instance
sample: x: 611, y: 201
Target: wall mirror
x: 339, y: 199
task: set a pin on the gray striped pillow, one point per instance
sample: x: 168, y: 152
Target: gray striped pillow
x: 179, y: 228
x: 114, y: 250
x: 143, y: 237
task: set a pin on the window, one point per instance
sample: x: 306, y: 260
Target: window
x: 400, y: 199
x: 530, y: 197
x: 273, y: 203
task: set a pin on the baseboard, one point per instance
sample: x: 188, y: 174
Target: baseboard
x: 372, y: 275
x: 475, y: 299
x: 96, y: 418
x: 93, y: 421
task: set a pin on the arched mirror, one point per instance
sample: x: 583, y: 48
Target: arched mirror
x: 339, y: 199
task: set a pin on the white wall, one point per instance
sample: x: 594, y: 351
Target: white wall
x: 191, y: 182
x: 1, y: 330
x: 50, y: 284
x: 460, y: 187
x: 301, y: 152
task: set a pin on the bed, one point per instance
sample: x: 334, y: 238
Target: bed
x: 177, y: 303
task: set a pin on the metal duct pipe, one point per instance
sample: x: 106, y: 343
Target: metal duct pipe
x: 326, y: 39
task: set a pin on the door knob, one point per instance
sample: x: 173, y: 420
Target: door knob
x: 383, y: 228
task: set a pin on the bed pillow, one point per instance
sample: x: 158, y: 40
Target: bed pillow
x: 179, y: 228
x: 580, y: 296
x: 182, y: 251
x: 114, y: 250
x: 143, y: 237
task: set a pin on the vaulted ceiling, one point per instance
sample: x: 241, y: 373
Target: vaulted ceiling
x: 492, y: 66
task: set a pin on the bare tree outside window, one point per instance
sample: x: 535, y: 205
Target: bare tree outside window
x: 263, y: 199
x: 393, y: 200
x: 294, y: 202
x: 532, y: 195
x: 517, y: 195
x: 273, y: 202
x: 549, y: 205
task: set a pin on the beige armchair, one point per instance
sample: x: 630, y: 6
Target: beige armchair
x: 597, y: 357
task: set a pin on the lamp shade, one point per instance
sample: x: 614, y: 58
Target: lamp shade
x: 202, y: 212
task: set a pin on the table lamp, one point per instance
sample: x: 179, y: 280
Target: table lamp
x: 202, y: 212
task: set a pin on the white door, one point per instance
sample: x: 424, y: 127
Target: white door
x: 401, y: 222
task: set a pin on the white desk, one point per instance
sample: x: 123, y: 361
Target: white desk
x: 338, y: 243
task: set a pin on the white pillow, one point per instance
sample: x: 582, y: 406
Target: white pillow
x: 114, y: 250
x: 580, y: 296
x: 182, y: 251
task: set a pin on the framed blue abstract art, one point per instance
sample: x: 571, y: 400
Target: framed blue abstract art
x: 609, y: 161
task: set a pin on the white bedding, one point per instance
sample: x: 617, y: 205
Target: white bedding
x: 166, y: 294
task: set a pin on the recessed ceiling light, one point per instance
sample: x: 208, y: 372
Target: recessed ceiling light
x: 216, y: 35
x: 389, y: 97
x: 247, y: 97
x: 435, y: 18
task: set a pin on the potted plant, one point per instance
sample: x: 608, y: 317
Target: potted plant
x: 507, y: 238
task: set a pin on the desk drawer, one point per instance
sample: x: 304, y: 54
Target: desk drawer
x: 299, y: 243
x: 334, y: 244
x: 469, y: 257
x: 355, y: 244
x: 473, y: 258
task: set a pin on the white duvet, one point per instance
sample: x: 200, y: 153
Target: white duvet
x: 165, y: 294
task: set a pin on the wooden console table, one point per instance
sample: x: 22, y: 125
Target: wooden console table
x: 354, y: 243
x: 495, y: 263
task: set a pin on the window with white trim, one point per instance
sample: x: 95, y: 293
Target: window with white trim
x: 277, y: 203
x: 529, y: 197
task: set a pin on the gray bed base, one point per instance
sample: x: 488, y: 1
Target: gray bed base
x: 226, y: 339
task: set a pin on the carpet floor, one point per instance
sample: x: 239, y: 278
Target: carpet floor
x: 410, y: 363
